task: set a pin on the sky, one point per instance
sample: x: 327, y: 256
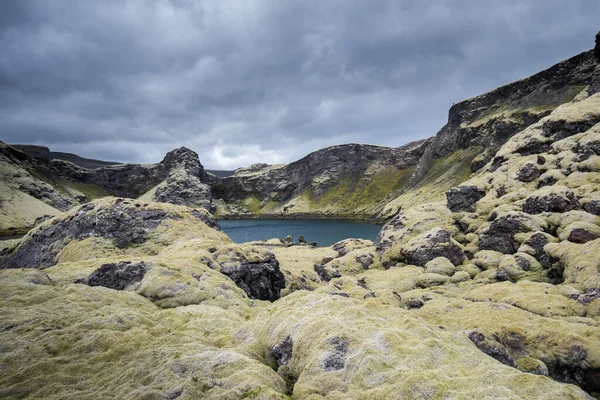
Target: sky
x: 249, y: 81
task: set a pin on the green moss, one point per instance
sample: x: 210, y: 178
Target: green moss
x: 364, y: 191
x: 269, y: 206
x: 89, y: 190
x: 14, y: 231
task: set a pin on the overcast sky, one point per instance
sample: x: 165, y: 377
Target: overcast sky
x: 263, y: 81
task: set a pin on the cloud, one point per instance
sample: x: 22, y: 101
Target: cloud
x: 262, y: 81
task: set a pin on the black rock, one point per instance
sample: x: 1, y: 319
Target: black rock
x: 499, y: 236
x: 117, y: 276
x: 325, y: 276
x: 537, y: 242
x: 463, y: 198
x: 436, y: 244
x: 260, y: 280
x: 580, y: 235
x: 492, y: 347
x: 283, y: 351
x: 336, y: 358
x: 528, y: 173
x: 593, y: 207
x: 414, y: 303
x: 365, y: 260
x: 551, y: 202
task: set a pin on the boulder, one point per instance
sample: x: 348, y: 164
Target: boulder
x: 117, y: 275
x: 255, y: 271
x: 440, y: 265
x: 432, y: 244
x: 580, y: 232
x: 499, y: 236
x: 262, y: 281
x: 463, y: 198
x: 528, y: 173
x: 557, y: 199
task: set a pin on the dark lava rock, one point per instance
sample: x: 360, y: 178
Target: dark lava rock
x: 580, y: 235
x: 283, y: 351
x: 365, y: 260
x: 436, y: 244
x: 121, y: 222
x: 260, y: 280
x: 414, y: 303
x: 499, y: 236
x: 551, y: 202
x: 324, y: 274
x: 336, y: 358
x: 503, y: 276
x: 492, y: 347
x: 593, y: 207
x: 537, y: 242
x: 589, y: 296
x: 463, y: 198
x: 117, y: 276
x: 528, y: 173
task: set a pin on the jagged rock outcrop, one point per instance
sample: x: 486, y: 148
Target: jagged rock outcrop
x: 178, y: 179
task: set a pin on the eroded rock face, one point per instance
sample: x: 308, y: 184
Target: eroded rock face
x: 184, y: 189
x: 117, y: 275
x: 463, y: 198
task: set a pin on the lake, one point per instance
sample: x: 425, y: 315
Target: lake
x: 324, y: 232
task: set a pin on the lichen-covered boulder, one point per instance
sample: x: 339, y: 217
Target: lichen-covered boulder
x: 433, y: 244
x: 555, y: 198
x: 580, y: 232
x: 500, y: 234
x: 254, y: 270
x: 463, y: 198
x: 528, y: 173
x: 440, y: 265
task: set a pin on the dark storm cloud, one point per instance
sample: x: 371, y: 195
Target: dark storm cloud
x: 269, y: 81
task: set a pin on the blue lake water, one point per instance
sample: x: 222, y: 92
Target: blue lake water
x: 324, y: 232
